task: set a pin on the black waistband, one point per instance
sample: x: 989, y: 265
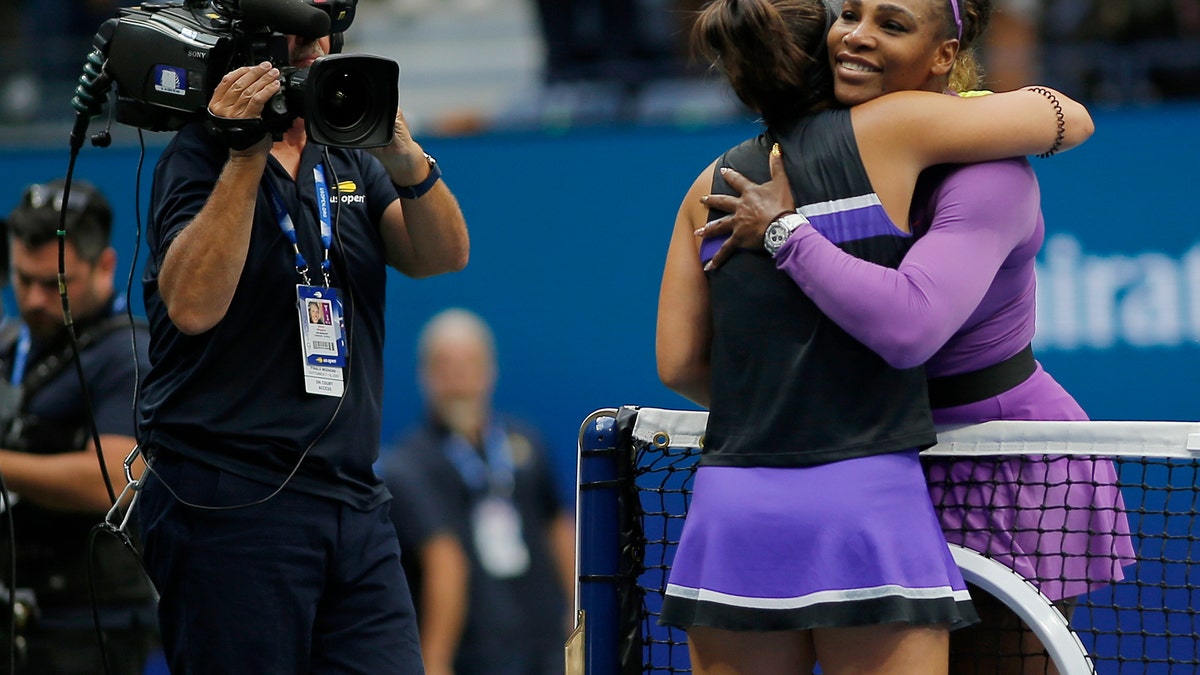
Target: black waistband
x: 978, y: 385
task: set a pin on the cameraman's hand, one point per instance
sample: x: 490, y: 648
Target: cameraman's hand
x: 244, y: 92
x: 241, y: 95
x: 404, y: 160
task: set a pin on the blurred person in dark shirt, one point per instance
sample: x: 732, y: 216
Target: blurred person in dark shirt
x: 489, y: 544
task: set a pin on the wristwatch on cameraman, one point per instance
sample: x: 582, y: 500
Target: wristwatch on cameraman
x: 780, y: 229
x: 417, y: 191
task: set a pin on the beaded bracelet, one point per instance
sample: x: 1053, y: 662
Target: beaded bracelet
x: 1058, y: 112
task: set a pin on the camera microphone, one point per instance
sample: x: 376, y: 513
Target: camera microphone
x: 291, y: 17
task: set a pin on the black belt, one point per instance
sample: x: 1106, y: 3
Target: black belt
x: 982, y: 384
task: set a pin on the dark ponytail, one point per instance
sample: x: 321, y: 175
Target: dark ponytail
x: 771, y: 51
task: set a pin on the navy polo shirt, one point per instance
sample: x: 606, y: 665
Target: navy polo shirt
x: 233, y: 397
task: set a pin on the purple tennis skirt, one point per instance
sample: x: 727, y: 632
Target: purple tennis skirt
x: 1058, y: 521
x: 849, y: 543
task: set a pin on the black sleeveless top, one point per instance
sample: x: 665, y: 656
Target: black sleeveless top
x: 789, y: 387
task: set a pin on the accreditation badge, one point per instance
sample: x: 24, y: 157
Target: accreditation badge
x: 498, y: 540
x: 322, y: 340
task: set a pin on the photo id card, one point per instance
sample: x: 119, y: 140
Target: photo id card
x: 496, y: 529
x: 322, y: 340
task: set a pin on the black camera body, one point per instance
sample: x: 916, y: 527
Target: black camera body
x: 166, y: 59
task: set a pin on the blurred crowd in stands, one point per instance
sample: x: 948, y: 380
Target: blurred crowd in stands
x: 583, y: 61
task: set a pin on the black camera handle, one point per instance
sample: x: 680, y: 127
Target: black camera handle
x: 238, y: 134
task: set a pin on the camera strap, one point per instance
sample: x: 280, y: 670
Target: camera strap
x: 239, y: 134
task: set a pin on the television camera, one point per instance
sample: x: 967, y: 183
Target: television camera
x: 166, y: 59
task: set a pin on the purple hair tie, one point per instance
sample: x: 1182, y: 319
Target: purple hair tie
x: 957, y: 17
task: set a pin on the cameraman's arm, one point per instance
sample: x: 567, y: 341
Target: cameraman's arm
x: 201, y: 269
x: 427, y: 235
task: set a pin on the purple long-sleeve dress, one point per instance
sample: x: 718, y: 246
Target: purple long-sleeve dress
x: 962, y: 300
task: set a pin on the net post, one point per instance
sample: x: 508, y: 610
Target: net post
x: 598, y: 541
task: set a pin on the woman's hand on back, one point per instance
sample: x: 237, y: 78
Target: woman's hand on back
x: 749, y: 214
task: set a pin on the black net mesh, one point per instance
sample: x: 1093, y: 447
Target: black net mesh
x: 663, y: 477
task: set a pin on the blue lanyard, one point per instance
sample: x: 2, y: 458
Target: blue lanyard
x: 496, y: 473
x: 289, y: 227
x: 25, y: 343
x: 21, y: 356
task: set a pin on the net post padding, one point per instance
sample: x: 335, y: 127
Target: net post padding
x: 609, y: 543
x: 596, y: 540
x: 1028, y: 603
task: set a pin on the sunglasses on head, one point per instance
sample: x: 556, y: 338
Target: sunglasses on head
x: 42, y: 196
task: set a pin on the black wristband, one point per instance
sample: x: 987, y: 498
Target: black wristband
x: 238, y: 134
x: 417, y: 191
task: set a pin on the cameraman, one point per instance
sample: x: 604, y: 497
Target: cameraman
x: 48, y: 459
x: 265, y: 527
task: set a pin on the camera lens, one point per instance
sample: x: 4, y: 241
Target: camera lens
x: 349, y: 100
x: 345, y: 99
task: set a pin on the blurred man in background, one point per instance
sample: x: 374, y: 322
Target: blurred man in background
x: 47, y: 455
x: 488, y: 541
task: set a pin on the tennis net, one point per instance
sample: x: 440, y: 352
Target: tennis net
x: 635, y: 475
